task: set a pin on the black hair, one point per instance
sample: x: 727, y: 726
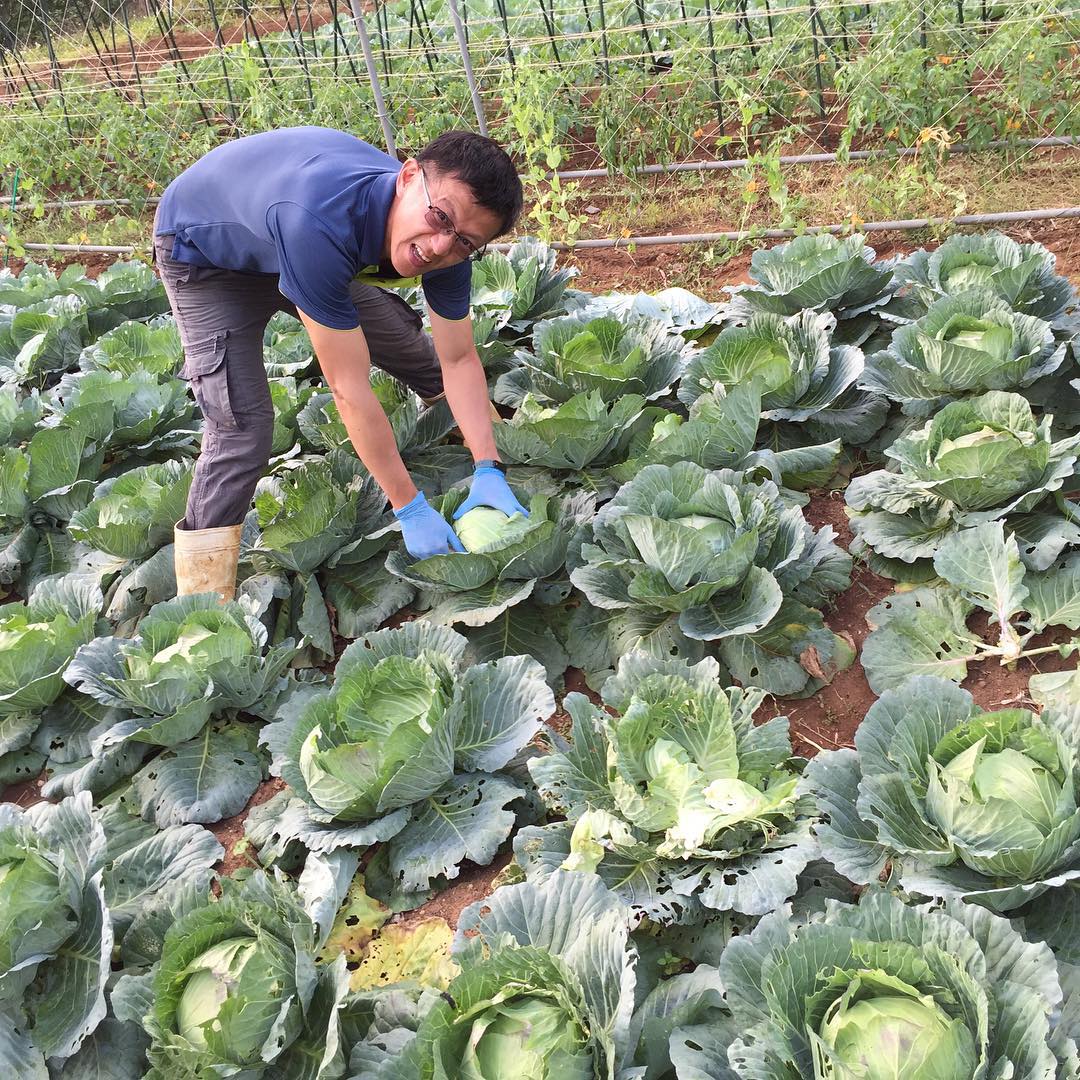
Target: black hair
x: 484, y: 167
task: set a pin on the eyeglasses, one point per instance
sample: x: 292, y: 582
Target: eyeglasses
x: 441, y: 221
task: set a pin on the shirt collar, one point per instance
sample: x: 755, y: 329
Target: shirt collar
x: 373, y: 231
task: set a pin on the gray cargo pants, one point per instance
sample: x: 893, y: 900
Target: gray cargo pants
x: 221, y: 316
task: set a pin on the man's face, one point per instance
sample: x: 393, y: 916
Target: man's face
x: 415, y: 242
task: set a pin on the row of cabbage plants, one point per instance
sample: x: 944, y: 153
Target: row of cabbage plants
x: 679, y: 902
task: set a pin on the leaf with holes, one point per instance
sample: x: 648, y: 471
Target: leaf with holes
x: 204, y: 780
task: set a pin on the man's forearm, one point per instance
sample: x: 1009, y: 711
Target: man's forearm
x: 373, y: 440
x: 467, y: 393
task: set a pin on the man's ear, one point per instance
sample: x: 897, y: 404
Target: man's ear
x: 406, y: 175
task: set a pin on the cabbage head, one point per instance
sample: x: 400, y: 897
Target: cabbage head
x: 380, y: 740
x: 141, y: 411
x: 883, y: 991
x: 803, y: 377
x: 520, y: 287
x: 545, y: 992
x: 73, y: 881
x: 981, y: 459
x: 234, y: 986
x: 576, y: 434
x: 193, y: 657
x: 504, y: 557
x: 1020, y: 274
x: 132, y: 515
x: 682, y: 555
x: 484, y: 528
x: 816, y: 272
x: 977, y: 805
x: 39, y: 638
x: 577, y: 354
x: 963, y: 345
x: 675, y: 778
x: 134, y: 347
x: 408, y: 747
x: 306, y: 516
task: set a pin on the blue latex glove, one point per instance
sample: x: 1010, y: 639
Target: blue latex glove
x: 489, y: 488
x: 425, y: 530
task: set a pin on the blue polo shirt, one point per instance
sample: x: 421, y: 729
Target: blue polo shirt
x: 308, y: 204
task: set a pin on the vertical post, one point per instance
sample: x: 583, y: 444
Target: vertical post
x: 57, y: 84
x: 459, y: 31
x: 134, y: 56
x: 384, y: 38
x: 745, y: 19
x: 712, y: 63
x: 339, y: 35
x: 644, y: 24
x: 224, y: 66
x: 88, y: 27
x: 14, y: 203
x: 249, y: 22
x: 603, y: 42
x: 817, y: 59
x: 423, y: 28
x: 549, y: 23
x: 165, y: 25
x: 373, y: 75
x: 501, y: 4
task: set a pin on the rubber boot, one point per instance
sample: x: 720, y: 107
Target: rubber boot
x: 206, y: 559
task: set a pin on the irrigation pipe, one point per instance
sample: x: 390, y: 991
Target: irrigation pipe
x: 903, y: 225
x: 684, y: 166
x: 81, y: 249
x: 825, y: 159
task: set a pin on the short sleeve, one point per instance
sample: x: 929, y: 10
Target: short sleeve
x: 448, y: 291
x: 314, y: 270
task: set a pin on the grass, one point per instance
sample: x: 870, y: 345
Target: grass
x: 825, y: 194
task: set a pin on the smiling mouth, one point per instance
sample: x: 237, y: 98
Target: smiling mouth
x: 418, y: 255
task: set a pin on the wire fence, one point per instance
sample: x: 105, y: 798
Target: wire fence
x: 107, y: 104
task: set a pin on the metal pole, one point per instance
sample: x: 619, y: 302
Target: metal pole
x: 233, y: 112
x: 373, y: 75
x: 134, y: 55
x: 459, y: 31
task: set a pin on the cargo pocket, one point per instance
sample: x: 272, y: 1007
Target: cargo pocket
x: 206, y: 368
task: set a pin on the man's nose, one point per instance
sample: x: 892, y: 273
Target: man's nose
x: 442, y: 242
